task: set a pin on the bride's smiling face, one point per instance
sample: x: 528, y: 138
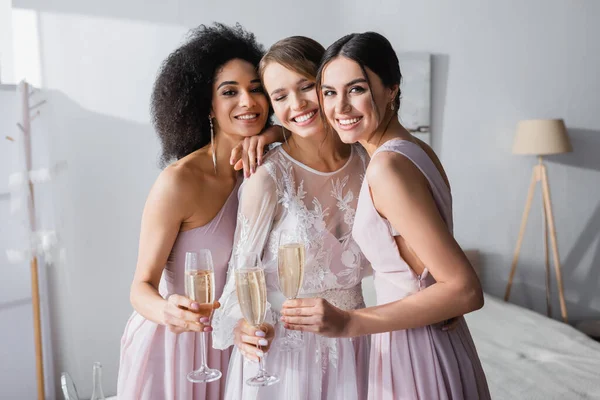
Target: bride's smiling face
x: 294, y: 99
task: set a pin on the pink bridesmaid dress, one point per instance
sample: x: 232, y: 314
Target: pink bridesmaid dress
x: 155, y: 361
x: 421, y: 363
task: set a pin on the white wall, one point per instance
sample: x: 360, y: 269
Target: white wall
x: 494, y: 64
x: 6, y: 50
x: 16, y: 336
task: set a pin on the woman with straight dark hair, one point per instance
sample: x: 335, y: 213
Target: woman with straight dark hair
x: 404, y: 227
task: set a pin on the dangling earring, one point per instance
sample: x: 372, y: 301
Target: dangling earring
x: 212, y: 143
x: 392, y: 106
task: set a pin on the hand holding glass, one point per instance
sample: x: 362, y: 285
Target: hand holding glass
x: 252, y: 295
x: 200, y: 287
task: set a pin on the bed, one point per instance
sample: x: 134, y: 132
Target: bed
x: 526, y: 355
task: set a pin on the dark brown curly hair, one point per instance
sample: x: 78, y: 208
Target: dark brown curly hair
x: 182, y: 95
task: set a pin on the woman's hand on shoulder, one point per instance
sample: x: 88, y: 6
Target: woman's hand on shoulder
x: 248, y: 154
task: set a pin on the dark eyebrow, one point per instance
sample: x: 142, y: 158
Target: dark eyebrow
x: 227, y: 83
x: 355, y: 81
x: 235, y: 83
x: 352, y: 82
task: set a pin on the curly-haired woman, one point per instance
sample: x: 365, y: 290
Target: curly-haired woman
x: 207, y: 99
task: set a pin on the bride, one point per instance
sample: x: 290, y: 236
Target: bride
x: 309, y: 184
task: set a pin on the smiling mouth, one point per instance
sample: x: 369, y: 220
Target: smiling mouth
x: 348, y: 122
x: 247, y: 117
x: 304, y: 117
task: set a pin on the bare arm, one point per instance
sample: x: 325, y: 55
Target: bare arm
x: 402, y: 195
x: 166, y: 208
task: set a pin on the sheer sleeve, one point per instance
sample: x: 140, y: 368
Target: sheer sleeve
x: 256, y: 212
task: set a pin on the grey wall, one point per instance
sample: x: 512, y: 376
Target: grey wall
x: 6, y: 51
x: 494, y: 64
x: 16, y: 335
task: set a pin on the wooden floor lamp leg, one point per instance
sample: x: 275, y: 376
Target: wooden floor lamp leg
x: 534, y: 179
x: 546, y: 258
x: 546, y: 196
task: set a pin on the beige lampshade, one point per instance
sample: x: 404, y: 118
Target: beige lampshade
x: 541, y: 137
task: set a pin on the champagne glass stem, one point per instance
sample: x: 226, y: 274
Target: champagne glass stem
x: 203, y: 366
x: 261, y: 365
x: 288, y: 334
x: 261, y: 362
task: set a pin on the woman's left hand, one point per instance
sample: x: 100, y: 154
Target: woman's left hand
x: 249, y: 152
x: 315, y: 315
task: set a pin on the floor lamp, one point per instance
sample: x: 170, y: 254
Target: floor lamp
x: 540, y: 138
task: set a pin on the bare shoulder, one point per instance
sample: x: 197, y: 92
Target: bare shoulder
x: 180, y: 177
x: 388, y: 168
x: 180, y: 182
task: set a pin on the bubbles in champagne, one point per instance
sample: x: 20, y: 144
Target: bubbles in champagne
x: 252, y: 294
x: 199, y: 286
x: 291, y: 269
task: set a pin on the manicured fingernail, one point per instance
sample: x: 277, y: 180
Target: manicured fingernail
x: 282, y: 319
x: 445, y: 328
x: 204, y: 320
x: 208, y: 329
x: 259, y: 353
x: 263, y: 342
x: 253, y: 169
x: 260, y: 334
x: 195, y: 306
x: 259, y: 162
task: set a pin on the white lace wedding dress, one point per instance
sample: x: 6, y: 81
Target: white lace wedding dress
x: 285, y: 194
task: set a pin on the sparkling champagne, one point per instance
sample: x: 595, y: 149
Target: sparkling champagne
x: 200, y: 287
x: 252, y: 294
x: 291, y: 269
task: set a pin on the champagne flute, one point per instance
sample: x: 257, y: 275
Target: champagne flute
x: 252, y: 295
x: 291, y: 274
x: 200, y: 287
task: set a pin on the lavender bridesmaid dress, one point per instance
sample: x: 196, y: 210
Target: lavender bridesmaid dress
x: 421, y: 363
x: 155, y: 361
